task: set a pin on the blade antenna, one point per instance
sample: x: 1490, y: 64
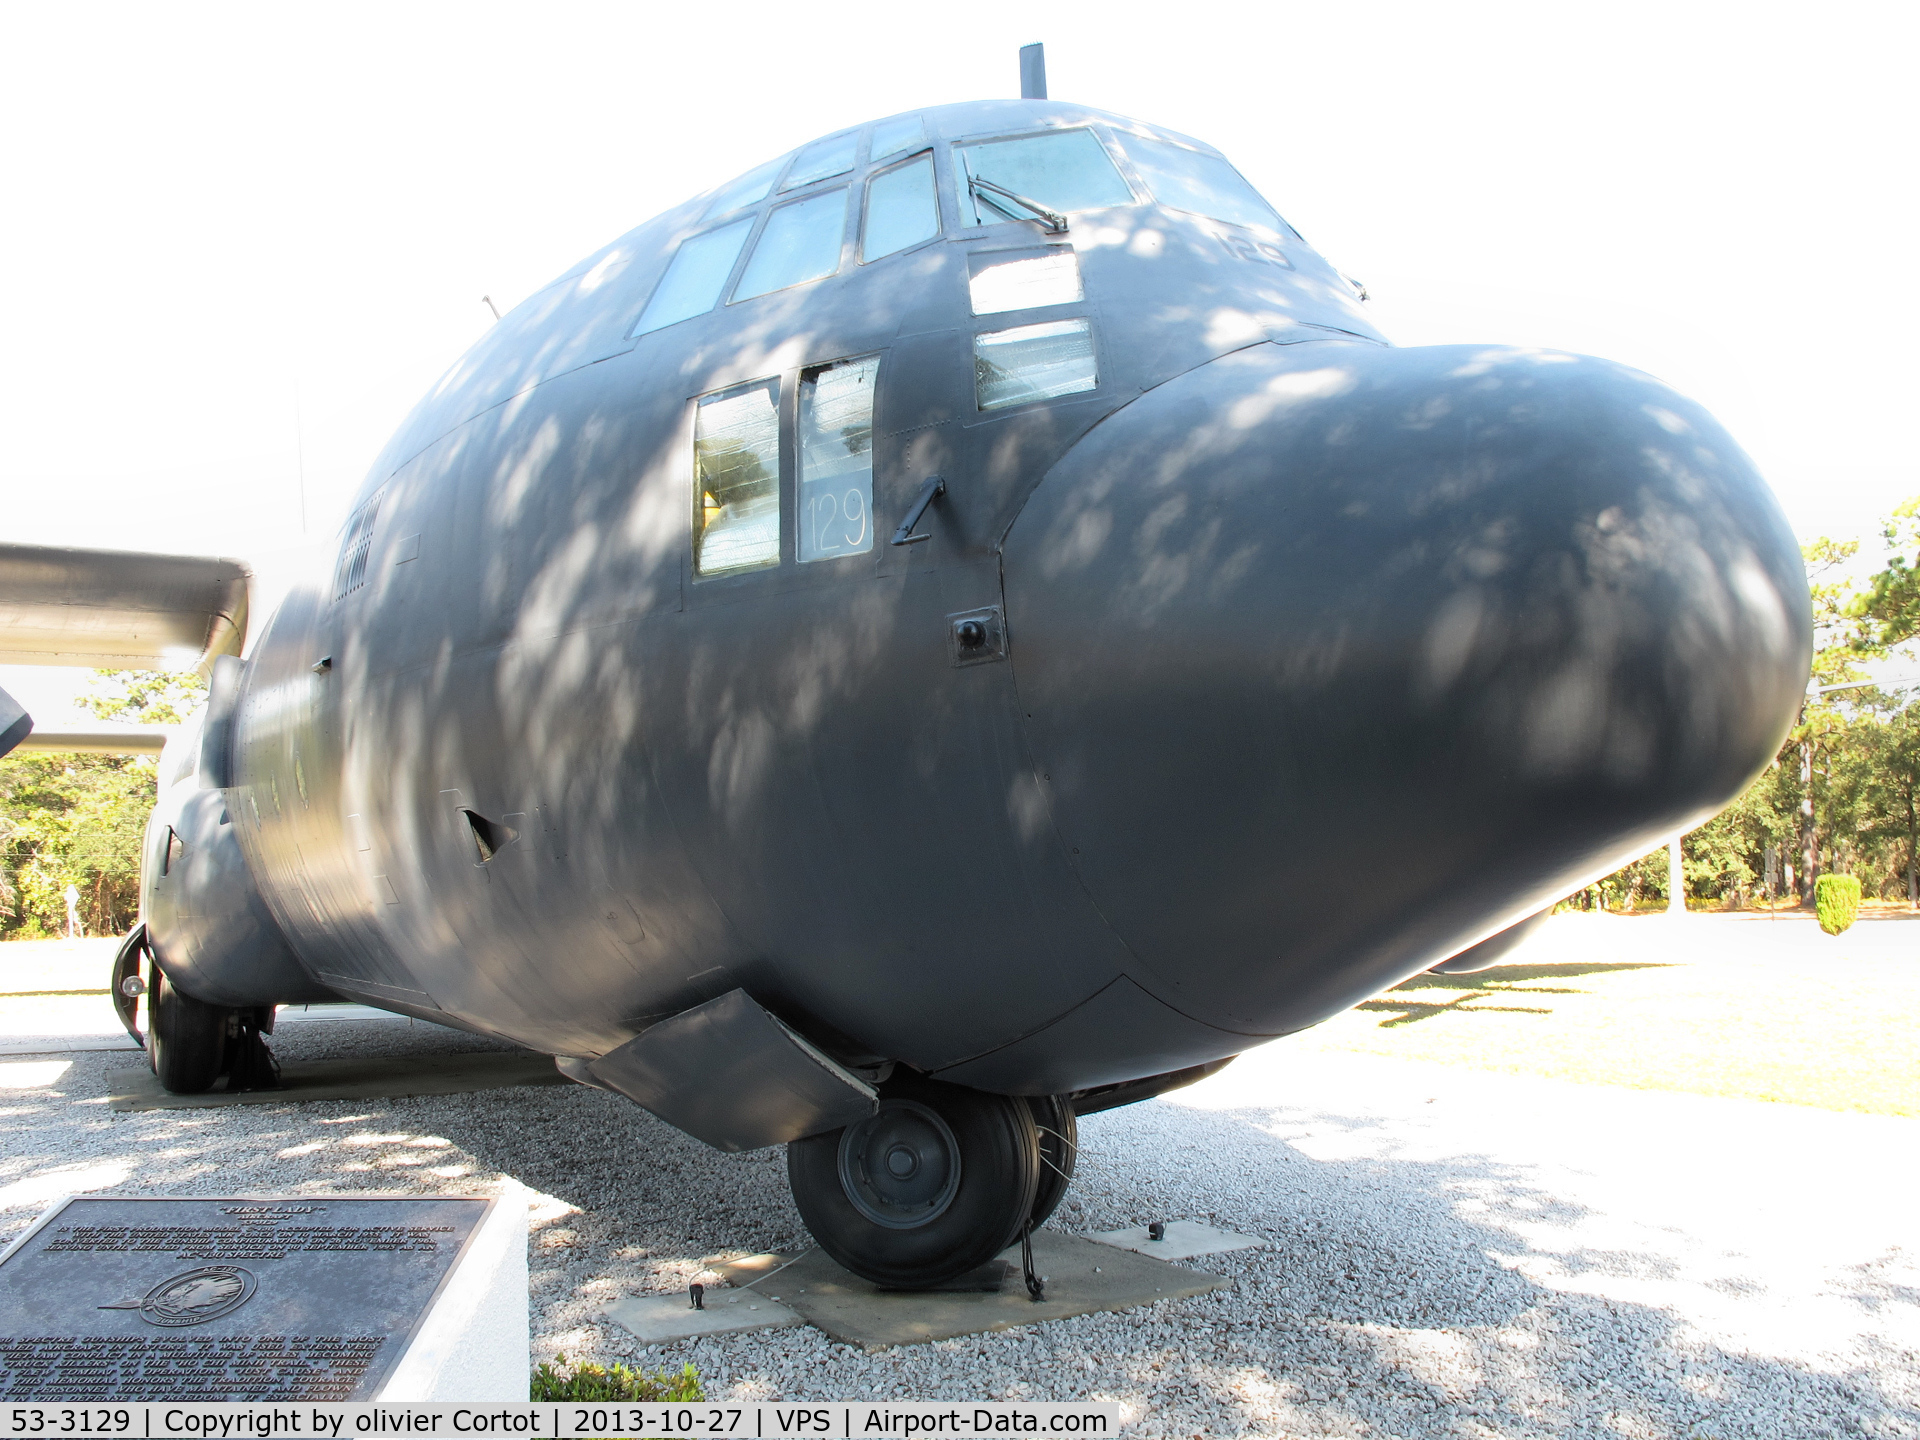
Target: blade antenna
x: 1033, y: 72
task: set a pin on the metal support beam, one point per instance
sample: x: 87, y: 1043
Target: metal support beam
x: 102, y: 740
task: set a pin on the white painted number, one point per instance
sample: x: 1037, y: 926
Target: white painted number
x: 839, y: 520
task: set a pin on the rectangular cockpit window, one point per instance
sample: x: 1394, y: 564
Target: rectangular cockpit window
x: 695, y: 277
x: 1033, y: 362
x: 1064, y: 170
x: 901, y: 209
x: 836, y: 459
x: 736, y: 481
x: 823, y: 158
x: 801, y: 243
x: 890, y: 137
x: 1023, y: 281
x: 1185, y: 179
x: 750, y: 187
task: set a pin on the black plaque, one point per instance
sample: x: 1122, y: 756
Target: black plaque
x: 291, y: 1298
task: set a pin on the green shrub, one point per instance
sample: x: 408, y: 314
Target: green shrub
x: 1836, y: 898
x: 597, y: 1382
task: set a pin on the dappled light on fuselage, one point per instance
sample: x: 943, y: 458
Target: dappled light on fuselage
x: 1250, y: 574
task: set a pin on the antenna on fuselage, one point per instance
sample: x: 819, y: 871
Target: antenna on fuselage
x: 487, y: 300
x: 1033, y: 72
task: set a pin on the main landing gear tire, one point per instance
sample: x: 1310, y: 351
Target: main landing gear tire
x: 187, y: 1039
x: 1059, y: 1136
x: 936, y: 1183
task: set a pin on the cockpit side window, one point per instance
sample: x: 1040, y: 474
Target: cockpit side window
x: 902, y: 209
x: 1033, y: 362
x: 695, y: 277
x: 999, y: 281
x: 801, y: 243
x: 836, y: 459
x: 1205, y: 184
x: 736, y: 480
x: 1064, y: 170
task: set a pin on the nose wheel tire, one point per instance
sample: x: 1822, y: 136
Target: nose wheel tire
x: 187, y: 1039
x: 936, y: 1183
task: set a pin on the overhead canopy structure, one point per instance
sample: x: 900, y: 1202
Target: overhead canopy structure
x: 119, y: 609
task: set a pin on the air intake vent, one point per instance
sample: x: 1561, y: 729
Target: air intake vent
x: 490, y: 837
x: 351, y: 573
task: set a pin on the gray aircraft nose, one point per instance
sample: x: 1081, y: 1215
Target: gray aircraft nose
x: 1335, y: 658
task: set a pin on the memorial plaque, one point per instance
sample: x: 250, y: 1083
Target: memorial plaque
x: 310, y: 1298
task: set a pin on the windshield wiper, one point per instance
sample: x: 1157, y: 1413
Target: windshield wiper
x: 1055, y: 221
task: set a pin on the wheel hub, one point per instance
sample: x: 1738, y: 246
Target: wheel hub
x: 900, y: 1167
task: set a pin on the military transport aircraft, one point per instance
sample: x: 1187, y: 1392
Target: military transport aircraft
x: 962, y: 626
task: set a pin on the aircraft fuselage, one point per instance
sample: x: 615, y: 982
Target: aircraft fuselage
x: 1299, y: 662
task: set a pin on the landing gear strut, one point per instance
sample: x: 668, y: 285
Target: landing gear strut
x: 1059, y: 1137
x: 936, y: 1183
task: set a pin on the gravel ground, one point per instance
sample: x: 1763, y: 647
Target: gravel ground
x: 1450, y: 1253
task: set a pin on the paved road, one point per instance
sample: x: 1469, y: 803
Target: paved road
x: 1715, y: 938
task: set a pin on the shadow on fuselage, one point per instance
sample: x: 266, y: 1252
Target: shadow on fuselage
x: 1281, y: 605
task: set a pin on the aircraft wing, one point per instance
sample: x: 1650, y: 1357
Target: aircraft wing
x: 113, y: 610
x: 119, y: 609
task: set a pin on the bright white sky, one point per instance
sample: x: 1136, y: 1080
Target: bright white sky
x: 240, y: 242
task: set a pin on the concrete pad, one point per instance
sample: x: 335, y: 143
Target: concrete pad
x: 1081, y: 1277
x: 356, y: 1078
x: 1184, y: 1240
x: 473, y: 1343
x: 657, y: 1319
x: 69, y: 1044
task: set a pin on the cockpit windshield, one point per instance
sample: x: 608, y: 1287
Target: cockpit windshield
x: 832, y: 156
x: 1185, y: 179
x: 749, y: 188
x: 1063, y: 170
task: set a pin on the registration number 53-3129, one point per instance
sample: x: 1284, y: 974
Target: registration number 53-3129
x: 67, y: 1420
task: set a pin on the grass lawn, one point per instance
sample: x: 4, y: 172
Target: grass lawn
x: 1838, y: 1033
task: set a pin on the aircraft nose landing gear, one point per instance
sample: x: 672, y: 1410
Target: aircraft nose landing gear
x: 935, y: 1183
x: 188, y: 1044
x: 191, y: 1044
